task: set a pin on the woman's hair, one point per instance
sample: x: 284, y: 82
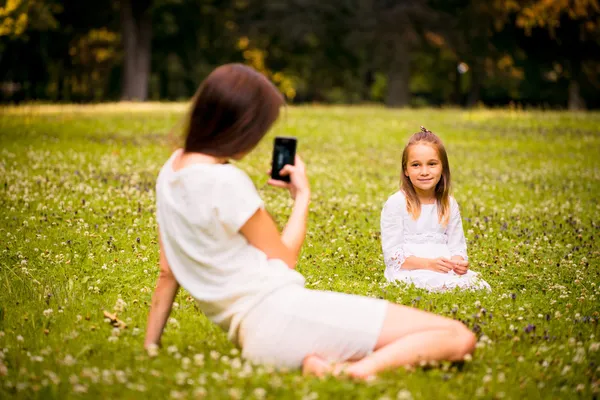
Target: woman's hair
x: 232, y: 110
x: 442, y: 189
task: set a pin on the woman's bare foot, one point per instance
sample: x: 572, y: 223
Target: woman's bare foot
x: 315, y: 365
x: 360, y: 371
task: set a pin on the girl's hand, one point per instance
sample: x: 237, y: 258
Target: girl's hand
x: 298, y: 184
x: 461, y: 266
x: 441, y: 264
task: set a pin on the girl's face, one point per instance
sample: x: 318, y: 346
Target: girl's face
x: 424, y: 168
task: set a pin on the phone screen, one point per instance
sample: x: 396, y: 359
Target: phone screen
x: 284, y: 152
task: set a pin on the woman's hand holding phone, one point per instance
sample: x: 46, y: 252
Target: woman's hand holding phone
x: 298, y: 185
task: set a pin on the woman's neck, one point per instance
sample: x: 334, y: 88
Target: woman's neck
x: 186, y: 159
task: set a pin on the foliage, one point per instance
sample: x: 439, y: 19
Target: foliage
x: 79, y: 238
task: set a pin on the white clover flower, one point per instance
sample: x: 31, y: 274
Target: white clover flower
x: 172, y: 349
x: 180, y: 378
x: 236, y: 363
x: 121, y: 376
x: 579, y: 356
x: 152, y: 350
x: 259, y: 393
x: 199, y: 359
x: 120, y: 305
x: 404, y: 394
x: 20, y: 338
x: 234, y: 393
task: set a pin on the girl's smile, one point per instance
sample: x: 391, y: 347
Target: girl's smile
x: 424, y: 169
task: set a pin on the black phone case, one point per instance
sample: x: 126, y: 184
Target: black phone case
x: 284, y: 152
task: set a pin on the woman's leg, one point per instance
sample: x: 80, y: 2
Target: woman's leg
x: 410, y: 336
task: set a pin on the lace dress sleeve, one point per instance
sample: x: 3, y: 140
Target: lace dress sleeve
x: 456, y: 236
x: 392, y: 232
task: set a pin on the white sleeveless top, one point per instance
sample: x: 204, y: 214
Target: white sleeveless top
x: 200, y: 210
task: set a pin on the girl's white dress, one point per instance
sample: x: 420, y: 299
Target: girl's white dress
x: 402, y: 237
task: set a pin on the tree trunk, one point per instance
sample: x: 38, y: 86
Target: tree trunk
x: 136, y: 27
x: 398, y: 90
x: 476, y: 78
x: 575, y: 101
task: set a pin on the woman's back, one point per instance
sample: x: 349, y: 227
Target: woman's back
x: 200, y: 210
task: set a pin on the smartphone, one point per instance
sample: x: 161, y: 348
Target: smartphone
x: 284, y: 152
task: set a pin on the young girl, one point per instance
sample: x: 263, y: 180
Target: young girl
x: 421, y: 229
x: 219, y: 243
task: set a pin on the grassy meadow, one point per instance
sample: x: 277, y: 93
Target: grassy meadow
x: 78, y: 247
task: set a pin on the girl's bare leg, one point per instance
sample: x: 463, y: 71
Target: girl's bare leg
x: 409, y: 337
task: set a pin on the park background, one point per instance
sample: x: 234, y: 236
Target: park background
x: 95, y: 92
x: 538, y: 53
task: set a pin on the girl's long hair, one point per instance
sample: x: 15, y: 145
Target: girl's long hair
x: 442, y: 189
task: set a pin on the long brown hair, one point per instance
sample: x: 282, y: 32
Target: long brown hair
x: 442, y: 189
x: 232, y: 110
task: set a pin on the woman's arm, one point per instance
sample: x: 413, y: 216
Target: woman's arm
x: 261, y: 231
x: 162, y: 300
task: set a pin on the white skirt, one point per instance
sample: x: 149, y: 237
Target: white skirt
x: 294, y: 322
x: 438, y: 281
x: 431, y: 280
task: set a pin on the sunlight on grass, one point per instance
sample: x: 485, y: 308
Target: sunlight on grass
x: 78, y: 251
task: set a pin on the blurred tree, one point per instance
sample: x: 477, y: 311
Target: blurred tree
x: 24, y: 24
x: 564, y: 31
x: 136, y: 30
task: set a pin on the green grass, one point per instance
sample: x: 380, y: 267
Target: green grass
x: 78, y: 233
